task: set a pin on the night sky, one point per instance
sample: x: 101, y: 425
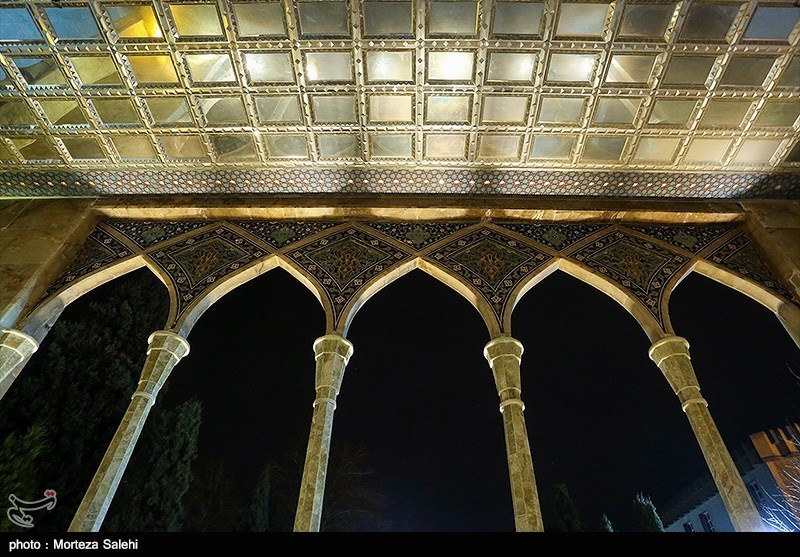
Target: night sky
x: 419, y: 394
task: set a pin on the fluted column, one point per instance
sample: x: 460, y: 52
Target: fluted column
x: 504, y: 355
x: 16, y: 348
x: 332, y: 353
x: 671, y: 355
x: 165, y: 350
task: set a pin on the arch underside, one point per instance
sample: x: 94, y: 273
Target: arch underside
x: 344, y: 263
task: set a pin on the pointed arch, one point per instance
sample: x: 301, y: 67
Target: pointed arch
x: 522, y: 288
x: 184, y: 322
x: 786, y: 311
x: 749, y: 288
x: 637, y: 309
x: 41, y: 318
x: 473, y: 296
x: 370, y: 289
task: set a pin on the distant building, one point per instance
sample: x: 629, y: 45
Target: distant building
x: 770, y: 468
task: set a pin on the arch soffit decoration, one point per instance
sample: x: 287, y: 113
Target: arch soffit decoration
x: 637, y: 265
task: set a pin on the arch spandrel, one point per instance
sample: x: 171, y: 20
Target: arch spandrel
x: 691, y: 238
x: 419, y: 235
x: 194, y: 266
x: 557, y: 236
x: 493, y: 263
x: 635, y: 271
x: 146, y: 234
x: 283, y: 234
x: 346, y: 263
x: 100, y: 249
x: 102, y: 258
x: 473, y: 296
x: 740, y: 255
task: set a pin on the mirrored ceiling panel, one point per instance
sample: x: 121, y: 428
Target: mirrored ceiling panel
x: 709, y: 21
x: 16, y: 25
x: 581, y: 20
x: 196, y: 20
x: 134, y: 21
x: 388, y: 19
x: 73, y: 23
x: 562, y: 84
x: 772, y: 23
x: 259, y: 19
x: 452, y: 18
x: 646, y: 21
x: 324, y: 20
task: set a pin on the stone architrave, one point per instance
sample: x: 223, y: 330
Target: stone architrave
x: 504, y: 355
x: 671, y: 355
x: 332, y: 352
x: 165, y: 350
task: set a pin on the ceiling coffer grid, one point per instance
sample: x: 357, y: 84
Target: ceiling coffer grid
x: 639, y: 85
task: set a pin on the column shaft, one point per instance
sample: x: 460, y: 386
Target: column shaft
x: 671, y: 355
x: 165, y: 350
x: 504, y: 355
x: 332, y: 352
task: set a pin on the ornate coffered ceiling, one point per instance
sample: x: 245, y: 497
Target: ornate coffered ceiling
x: 371, y: 86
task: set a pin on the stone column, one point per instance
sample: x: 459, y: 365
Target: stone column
x: 332, y: 352
x: 504, y: 355
x: 165, y: 350
x: 16, y: 348
x: 671, y: 355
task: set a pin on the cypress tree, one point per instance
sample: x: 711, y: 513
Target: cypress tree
x: 568, y: 518
x: 78, y: 385
x: 19, y: 464
x: 605, y: 524
x: 645, y: 515
x: 257, y: 518
x: 150, y: 497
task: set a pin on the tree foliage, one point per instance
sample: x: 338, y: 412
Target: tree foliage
x: 257, y: 516
x: 645, y: 515
x: 19, y: 455
x: 353, y: 499
x: 212, y: 504
x: 568, y: 518
x: 150, y: 496
x: 78, y: 385
x: 605, y: 524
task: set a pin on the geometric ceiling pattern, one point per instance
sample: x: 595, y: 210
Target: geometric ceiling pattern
x: 509, y: 84
x: 492, y: 259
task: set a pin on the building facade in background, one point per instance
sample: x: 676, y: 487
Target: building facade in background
x: 770, y: 467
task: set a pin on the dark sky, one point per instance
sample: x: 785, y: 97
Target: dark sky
x: 420, y: 396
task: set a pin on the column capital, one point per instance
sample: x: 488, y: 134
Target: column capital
x: 671, y: 355
x: 168, y: 341
x: 668, y: 347
x: 22, y: 343
x: 503, y: 346
x: 164, y: 350
x: 504, y: 355
x: 333, y: 344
